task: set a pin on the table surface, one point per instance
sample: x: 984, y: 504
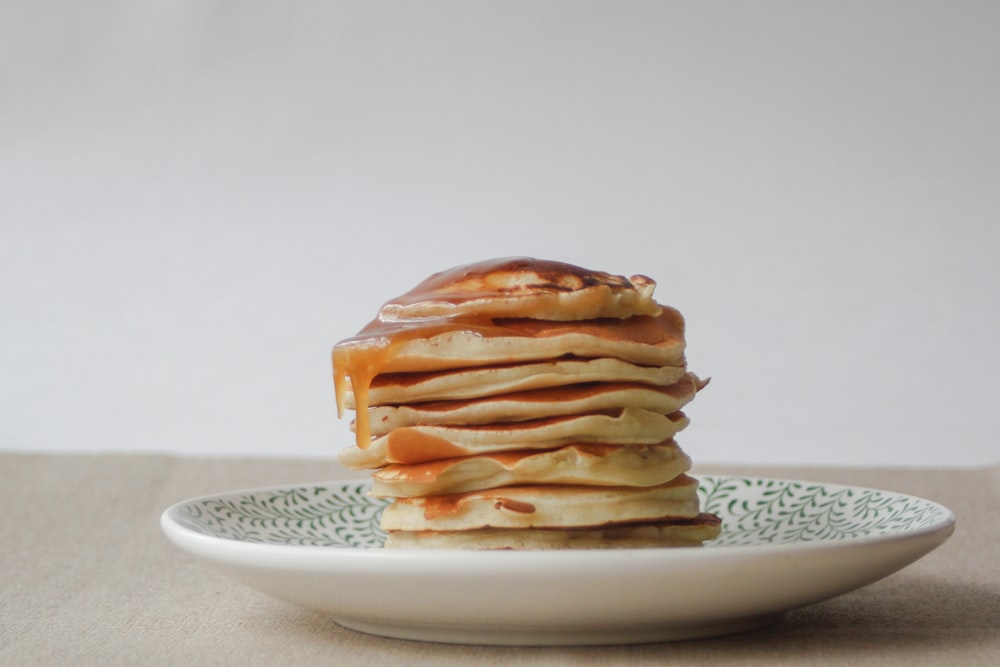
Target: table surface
x: 87, y: 578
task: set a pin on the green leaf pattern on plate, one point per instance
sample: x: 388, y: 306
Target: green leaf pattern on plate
x: 765, y: 511
x: 754, y: 511
x: 336, y: 515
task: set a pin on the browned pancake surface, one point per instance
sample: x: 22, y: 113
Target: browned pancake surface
x: 526, y: 287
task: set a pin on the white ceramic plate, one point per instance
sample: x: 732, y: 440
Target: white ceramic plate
x: 785, y: 544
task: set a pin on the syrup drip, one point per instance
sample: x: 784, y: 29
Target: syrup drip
x: 366, y: 355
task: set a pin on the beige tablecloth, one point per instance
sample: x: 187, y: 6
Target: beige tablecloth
x: 86, y: 578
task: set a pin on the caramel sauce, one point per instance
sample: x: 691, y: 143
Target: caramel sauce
x: 365, y: 355
x: 439, y: 506
x: 512, y: 505
x: 406, y: 445
x: 428, y: 471
x: 447, y: 504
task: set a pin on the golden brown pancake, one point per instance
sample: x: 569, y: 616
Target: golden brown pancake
x: 525, y: 287
x: 475, y: 382
x: 537, y: 404
x: 415, y: 444
x: 544, y: 506
x: 592, y: 465
x: 441, y: 344
x: 681, y: 533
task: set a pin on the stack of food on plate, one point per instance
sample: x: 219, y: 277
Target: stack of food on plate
x: 524, y: 404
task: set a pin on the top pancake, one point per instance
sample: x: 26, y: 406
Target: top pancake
x: 525, y: 287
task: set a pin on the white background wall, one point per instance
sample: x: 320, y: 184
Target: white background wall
x: 198, y: 199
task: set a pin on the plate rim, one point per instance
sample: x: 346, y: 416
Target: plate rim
x: 174, y: 529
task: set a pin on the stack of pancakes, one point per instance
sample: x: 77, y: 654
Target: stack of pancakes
x: 522, y: 403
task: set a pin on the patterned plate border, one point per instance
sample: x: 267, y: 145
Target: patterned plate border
x: 755, y: 511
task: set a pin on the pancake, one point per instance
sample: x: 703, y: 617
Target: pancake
x: 436, y: 344
x: 592, y: 465
x: 524, y: 286
x: 544, y: 506
x: 475, y: 382
x: 537, y: 404
x: 524, y: 404
x: 680, y: 533
x: 415, y: 444
x: 442, y: 344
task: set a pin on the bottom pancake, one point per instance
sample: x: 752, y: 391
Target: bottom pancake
x: 545, y: 506
x: 681, y: 533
